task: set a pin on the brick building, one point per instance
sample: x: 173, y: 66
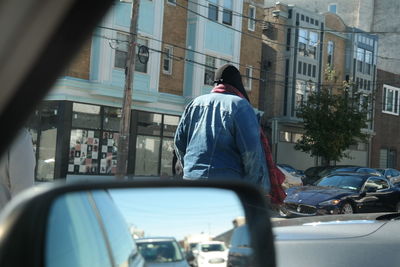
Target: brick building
x: 185, y: 41
x: 386, y: 142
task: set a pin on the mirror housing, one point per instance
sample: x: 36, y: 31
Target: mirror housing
x: 24, y: 220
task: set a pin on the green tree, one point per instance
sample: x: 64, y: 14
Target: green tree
x: 333, y: 122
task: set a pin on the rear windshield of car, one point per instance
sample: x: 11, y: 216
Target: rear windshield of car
x: 212, y: 247
x: 343, y: 181
x: 162, y: 251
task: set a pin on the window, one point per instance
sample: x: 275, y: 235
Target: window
x: 360, y: 59
x: 251, y: 26
x: 167, y: 59
x: 285, y: 137
x: 154, y: 142
x: 248, y: 78
x: 368, y: 62
x: 302, y: 17
x: 303, y: 41
x: 288, y: 39
x: 390, y: 100
x: 299, y: 67
x: 94, y: 139
x: 330, y: 52
x: 388, y: 158
x: 314, y: 70
x: 316, y: 22
x: 311, y: 20
x: 142, y: 55
x: 332, y: 8
x: 213, y: 12
x: 376, y: 184
x: 309, y: 70
x: 307, y: 19
x: 209, y: 71
x: 121, y: 51
x: 304, y: 68
x: 313, y: 42
x: 227, y: 12
x: 171, y: 2
x: 303, y: 89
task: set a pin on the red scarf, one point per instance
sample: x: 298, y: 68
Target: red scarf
x: 276, y: 177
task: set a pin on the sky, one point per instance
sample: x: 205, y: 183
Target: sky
x: 178, y: 212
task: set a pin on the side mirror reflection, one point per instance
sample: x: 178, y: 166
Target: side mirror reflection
x: 143, y: 225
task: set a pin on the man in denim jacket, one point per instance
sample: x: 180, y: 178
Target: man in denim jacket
x: 218, y: 137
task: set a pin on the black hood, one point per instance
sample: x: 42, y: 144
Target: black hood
x: 229, y: 74
x: 312, y: 195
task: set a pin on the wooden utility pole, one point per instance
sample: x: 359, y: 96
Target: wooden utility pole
x: 123, y: 142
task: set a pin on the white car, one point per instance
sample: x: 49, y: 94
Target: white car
x: 291, y: 180
x: 211, y: 253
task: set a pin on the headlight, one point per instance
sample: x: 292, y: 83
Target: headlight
x: 330, y: 202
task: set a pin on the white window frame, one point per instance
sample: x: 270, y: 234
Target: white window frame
x: 119, y: 45
x: 251, y: 24
x: 248, y: 78
x: 168, y: 56
x: 330, y: 51
x: 218, y: 62
x: 395, y: 102
x: 171, y: 2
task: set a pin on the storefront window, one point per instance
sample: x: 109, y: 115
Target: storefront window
x: 166, y: 157
x: 154, y: 144
x: 86, y: 116
x: 94, y: 141
x: 84, y: 152
x: 149, y: 123
x: 147, y: 154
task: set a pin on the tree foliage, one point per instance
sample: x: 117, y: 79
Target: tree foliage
x: 333, y: 122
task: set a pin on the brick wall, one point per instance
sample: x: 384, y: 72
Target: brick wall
x: 174, y: 32
x: 80, y: 65
x: 387, y: 126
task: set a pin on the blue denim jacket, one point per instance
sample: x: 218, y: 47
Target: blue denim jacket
x: 218, y: 137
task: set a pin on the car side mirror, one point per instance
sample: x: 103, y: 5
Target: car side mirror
x: 68, y: 220
x: 371, y: 190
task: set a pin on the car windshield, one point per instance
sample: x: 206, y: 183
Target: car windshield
x: 160, y: 251
x: 212, y: 247
x: 342, y: 181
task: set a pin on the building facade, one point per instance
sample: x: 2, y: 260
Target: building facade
x: 299, y: 46
x: 179, y: 45
x: 386, y: 142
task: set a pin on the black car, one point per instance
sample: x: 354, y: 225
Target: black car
x: 343, y: 193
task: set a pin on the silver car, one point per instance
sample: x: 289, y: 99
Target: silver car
x: 161, y: 251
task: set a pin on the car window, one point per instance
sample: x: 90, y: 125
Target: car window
x: 160, y: 251
x: 342, y: 181
x: 74, y: 236
x: 121, y: 240
x: 212, y: 247
x: 376, y: 184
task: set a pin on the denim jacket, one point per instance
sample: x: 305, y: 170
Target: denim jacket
x: 218, y: 138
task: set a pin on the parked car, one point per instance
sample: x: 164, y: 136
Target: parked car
x: 290, y: 179
x: 87, y: 229
x: 240, y: 251
x: 211, y: 253
x: 391, y: 174
x: 291, y: 169
x: 343, y: 193
x: 358, y: 169
x: 161, y: 251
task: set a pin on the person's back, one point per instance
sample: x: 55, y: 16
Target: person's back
x: 218, y: 138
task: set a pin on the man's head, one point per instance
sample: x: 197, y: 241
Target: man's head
x: 229, y: 74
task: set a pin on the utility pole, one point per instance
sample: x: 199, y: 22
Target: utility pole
x: 123, y: 142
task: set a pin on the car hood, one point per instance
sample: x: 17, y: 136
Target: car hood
x: 328, y: 230
x: 313, y: 195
